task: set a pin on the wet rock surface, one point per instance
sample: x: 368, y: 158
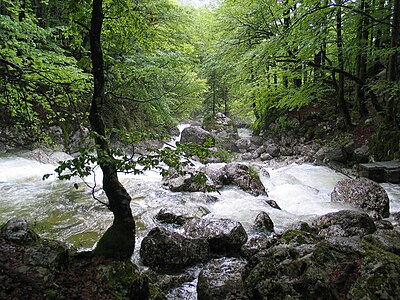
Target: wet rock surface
x: 224, y: 236
x: 344, y: 223
x: 301, y: 265
x: 204, y: 179
x: 363, y: 193
x: 164, y: 249
x: 196, y: 135
x: 221, y: 279
x: 263, y: 222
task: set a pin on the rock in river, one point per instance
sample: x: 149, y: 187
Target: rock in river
x: 364, y: 193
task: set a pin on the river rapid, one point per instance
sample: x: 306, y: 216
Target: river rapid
x: 61, y: 211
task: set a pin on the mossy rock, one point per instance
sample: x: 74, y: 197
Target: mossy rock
x: 298, y: 237
x: 384, y: 145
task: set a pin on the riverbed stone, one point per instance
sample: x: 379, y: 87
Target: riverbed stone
x: 220, y: 279
x: 224, y: 236
x: 266, y: 156
x: 163, y: 249
x: 263, y: 222
x: 330, y: 154
x: 173, y: 215
x: 192, y: 181
x: 243, y: 144
x: 364, y: 193
x: 361, y: 154
x: 344, y: 223
x: 387, y: 239
x: 18, y: 231
x: 272, y: 149
x: 196, y: 135
x: 272, y: 203
x: 242, y: 176
x: 302, y: 266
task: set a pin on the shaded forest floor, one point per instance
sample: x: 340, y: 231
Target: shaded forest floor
x: 79, y: 278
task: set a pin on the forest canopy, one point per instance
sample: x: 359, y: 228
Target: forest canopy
x: 260, y: 62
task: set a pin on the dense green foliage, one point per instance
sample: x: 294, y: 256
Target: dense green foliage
x: 257, y: 61
x: 151, y: 65
x: 285, y: 55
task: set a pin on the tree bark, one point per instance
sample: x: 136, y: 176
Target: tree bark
x: 361, y: 60
x: 119, y: 240
x: 391, y: 107
x: 341, y: 102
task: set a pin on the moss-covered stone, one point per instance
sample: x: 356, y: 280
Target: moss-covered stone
x: 385, y: 145
x: 298, y: 237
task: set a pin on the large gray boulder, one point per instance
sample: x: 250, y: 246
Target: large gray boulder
x: 243, y: 144
x: 328, y: 154
x: 18, y: 231
x: 302, y: 266
x: 221, y: 279
x: 243, y: 177
x: 191, y: 181
x: 206, y: 179
x: 224, y: 236
x: 344, y: 223
x: 196, y: 135
x: 364, y: 193
x: 223, y: 130
x: 263, y: 222
x: 163, y: 249
x: 171, y: 215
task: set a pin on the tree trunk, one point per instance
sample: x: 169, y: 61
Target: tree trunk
x: 119, y: 240
x: 391, y: 107
x: 361, y: 60
x: 341, y: 102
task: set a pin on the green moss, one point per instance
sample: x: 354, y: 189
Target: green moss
x: 297, y: 236
x: 384, y: 144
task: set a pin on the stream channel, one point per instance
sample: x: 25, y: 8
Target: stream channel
x: 60, y: 211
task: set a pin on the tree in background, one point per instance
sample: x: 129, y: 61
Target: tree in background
x: 290, y: 54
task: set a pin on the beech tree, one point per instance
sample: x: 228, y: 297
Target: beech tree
x: 347, y: 45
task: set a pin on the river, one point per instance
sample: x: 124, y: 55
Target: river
x: 59, y: 210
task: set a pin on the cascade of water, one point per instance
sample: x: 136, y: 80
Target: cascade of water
x: 60, y: 211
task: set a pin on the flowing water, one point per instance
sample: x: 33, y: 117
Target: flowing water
x: 59, y: 210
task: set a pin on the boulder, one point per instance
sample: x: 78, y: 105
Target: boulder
x: 386, y: 239
x: 191, y: 181
x: 163, y: 249
x: 257, y: 243
x: 272, y: 149
x: 263, y: 222
x: 344, y: 223
x: 330, y: 154
x: 220, y: 279
x: 301, y: 266
x: 266, y: 156
x: 243, y: 177
x: 249, y: 156
x: 171, y: 215
x: 206, y: 179
x: 18, y: 231
x: 243, y: 144
x: 272, y: 203
x: 361, y: 154
x: 224, y: 236
x: 223, y: 130
x: 364, y: 193
x: 196, y: 135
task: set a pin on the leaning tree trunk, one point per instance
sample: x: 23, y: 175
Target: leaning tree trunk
x: 119, y: 240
